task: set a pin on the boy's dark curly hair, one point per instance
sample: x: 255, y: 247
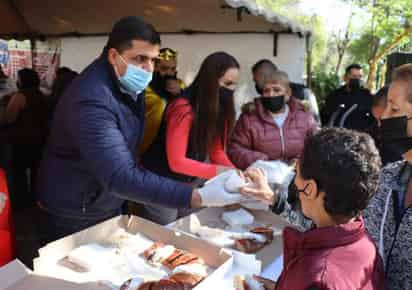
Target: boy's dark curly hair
x: 345, y: 164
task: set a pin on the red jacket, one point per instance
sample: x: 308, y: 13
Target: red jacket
x: 179, y: 117
x: 257, y: 137
x: 341, y: 258
x: 6, y: 232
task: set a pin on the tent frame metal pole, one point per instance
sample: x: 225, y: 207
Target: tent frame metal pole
x: 20, y: 15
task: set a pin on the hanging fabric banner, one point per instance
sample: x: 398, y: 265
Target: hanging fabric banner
x: 46, y: 60
x: 19, y: 57
x: 4, y: 52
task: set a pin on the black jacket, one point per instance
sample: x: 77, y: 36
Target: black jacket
x: 347, y: 109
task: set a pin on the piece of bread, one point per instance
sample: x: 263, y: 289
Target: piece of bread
x: 132, y: 284
x: 172, y: 258
x: 145, y: 286
x: 158, y: 253
x: 239, y: 283
x: 186, y: 279
x: 267, y: 232
x: 248, y: 246
x: 251, y: 245
x: 181, y: 257
x: 247, y: 283
x: 164, y: 284
x: 150, y: 251
x: 169, y: 262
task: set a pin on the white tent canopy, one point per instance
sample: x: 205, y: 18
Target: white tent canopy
x: 95, y: 17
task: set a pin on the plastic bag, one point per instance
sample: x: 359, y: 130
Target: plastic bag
x: 277, y: 172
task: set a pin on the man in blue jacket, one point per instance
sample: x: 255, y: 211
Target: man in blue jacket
x: 88, y: 168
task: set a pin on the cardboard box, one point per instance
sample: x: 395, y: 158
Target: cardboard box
x: 211, y: 217
x: 15, y: 276
x: 51, y: 256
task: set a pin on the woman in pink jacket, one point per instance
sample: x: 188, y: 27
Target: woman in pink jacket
x: 274, y: 127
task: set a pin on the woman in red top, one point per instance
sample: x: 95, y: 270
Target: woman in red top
x: 6, y: 233
x: 193, y: 136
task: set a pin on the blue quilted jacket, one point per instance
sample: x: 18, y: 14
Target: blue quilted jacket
x: 88, y: 168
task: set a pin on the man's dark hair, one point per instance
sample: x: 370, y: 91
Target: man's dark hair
x: 351, y: 67
x: 381, y: 96
x: 263, y: 62
x: 64, y: 77
x: 131, y: 28
x: 28, y: 79
x: 345, y: 165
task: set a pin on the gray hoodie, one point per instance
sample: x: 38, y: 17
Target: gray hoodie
x: 391, y: 228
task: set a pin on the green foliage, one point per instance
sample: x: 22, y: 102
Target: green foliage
x: 314, y: 23
x: 359, y: 49
x: 324, y: 83
x: 319, y: 39
x: 387, y: 27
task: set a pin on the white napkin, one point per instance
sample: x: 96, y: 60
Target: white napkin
x: 238, y: 217
x: 135, y: 283
x: 220, y: 237
x: 145, y: 270
x: 127, y: 242
x: 92, y: 256
x: 195, y: 269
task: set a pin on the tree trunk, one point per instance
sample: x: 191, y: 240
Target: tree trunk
x: 383, y: 75
x: 340, y: 58
x: 345, y: 42
x: 373, y: 65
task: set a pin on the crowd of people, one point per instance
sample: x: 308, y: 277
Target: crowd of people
x: 127, y: 129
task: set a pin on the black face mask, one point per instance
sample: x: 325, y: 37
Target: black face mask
x: 394, y: 136
x: 258, y: 89
x: 293, y: 196
x: 273, y: 104
x: 225, y: 95
x: 354, y: 85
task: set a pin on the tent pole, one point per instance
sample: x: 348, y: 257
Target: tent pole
x: 20, y: 15
x: 308, y: 43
